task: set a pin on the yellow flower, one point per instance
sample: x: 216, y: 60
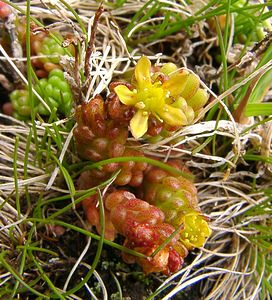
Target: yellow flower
x: 152, y: 97
x: 196, y: 230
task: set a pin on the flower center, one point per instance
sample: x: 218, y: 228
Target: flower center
x: 150, y: 98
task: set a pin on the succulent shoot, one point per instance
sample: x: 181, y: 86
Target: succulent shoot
x: 98, y: 138
x: 145, y: 230
x: 177, y: 198
x: 55, y: 91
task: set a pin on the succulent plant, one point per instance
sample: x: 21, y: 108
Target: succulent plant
x: 98, y: 137
x: 167, y: 207
x: 49, y: 50
x: 21, y: 104
x: 144, y: 228
x: 55, y: 91
x: 176, y: 196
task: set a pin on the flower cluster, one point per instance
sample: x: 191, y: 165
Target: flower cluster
x: 173, y: 97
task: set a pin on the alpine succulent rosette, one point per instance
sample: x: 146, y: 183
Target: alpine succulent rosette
x: 21, y: 106
x: 98, y: 137
x: 144, y: 228
x: 49, y: 50
x: 172, y: 96
x: 176, y: 196
x: 55, y: 91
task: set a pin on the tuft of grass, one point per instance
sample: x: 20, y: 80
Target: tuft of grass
x: 263, y: 240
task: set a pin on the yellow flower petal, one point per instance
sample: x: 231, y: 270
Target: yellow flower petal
x: 125, y: 95
x: 142, y: 71
x: 172, y: 116
x: 139, y: 124
x: 176, y: 83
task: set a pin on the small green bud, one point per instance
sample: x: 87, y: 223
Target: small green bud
x: 180, y: 103
x: 21, y: 104
x: 168, y: 68
x: 56, y: 72
x: 198, y: 100
x: 51, y: 48
x: 192, y: 85
x: 190, y: 115
x: 56, y: 92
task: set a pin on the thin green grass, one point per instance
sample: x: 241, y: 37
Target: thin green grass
x: 15, y: 174
x: 263, y: 240
x: 119, y: 287
x: 23, y: 258
x: 67, y: 178
x: 153, y: 162
x: 77, y: 17
x: 26, y: 159
x: 85, y: 233
x: 177, y: 23
x: 166, y: 241
x: 30, y: 72
x: 56, y: 293
x: 101, y: 242
x: 7, y: 266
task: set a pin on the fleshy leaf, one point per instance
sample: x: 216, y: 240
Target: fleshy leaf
x: 190, y: 114
x: 180, y: 103
x: 168, y: 68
